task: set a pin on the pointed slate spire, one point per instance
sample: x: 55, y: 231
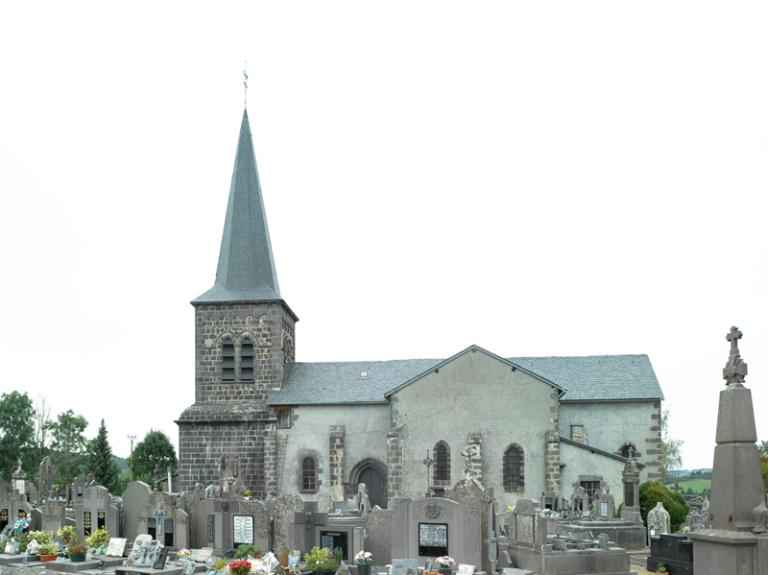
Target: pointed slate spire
x: 246, y: 271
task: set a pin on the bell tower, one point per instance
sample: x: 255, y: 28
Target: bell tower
x: 244, y: 337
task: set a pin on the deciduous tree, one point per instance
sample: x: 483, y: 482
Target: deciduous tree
x: 154, y: 452
x: 68, y: 447
x: 17, y: 433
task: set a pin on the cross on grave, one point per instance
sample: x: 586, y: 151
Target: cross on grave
x: 428, y: 461
x: 735, y: 369
x: 308, y: 518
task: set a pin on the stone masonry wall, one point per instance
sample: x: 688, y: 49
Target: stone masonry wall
x: 395, y: 485
x: 268, y: 325
x: 653, y: 444
x: 336, y: 461
x: 201, y: 444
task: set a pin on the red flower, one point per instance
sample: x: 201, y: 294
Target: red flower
x: 240, y: 567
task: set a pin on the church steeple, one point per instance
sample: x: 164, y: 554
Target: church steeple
x: 246, y: 271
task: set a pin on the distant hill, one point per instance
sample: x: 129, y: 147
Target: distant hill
x: 122, y: 462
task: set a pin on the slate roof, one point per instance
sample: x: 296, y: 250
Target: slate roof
x: 588, y: 378
x: 246, y: 270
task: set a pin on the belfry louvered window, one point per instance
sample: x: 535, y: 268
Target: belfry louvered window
x: 227, y: 359
x: 246, y: 359
x: 514, y: 468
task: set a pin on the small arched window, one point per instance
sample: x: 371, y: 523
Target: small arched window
x: 308, y: 475
x: 514, y: 468
x: 628, y: 450
x: 441, y: 454
x: 227, y: 359
x: 246, y: 359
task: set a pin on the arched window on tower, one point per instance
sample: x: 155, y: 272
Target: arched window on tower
x: 227, y: 359
x: 441, y: 472
x: 308, y: 475
x: 514, y: 468
x: 246, y: 359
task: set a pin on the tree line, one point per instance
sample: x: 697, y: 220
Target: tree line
x: 28, y: 434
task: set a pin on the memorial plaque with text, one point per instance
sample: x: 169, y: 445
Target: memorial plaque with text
x: 433, y: 539
x: 242, y: 532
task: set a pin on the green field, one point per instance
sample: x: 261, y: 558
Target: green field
x: 696, y: 485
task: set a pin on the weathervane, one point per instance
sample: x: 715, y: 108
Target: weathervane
x: 245, y: 84
x: 735, y: 370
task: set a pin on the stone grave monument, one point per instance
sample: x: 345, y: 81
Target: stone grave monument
x: 94, y: 509
x: 737, y: 542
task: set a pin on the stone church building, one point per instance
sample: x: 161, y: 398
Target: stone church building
x: 525, y: 426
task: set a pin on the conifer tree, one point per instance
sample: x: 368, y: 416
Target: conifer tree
x: 100, y: 461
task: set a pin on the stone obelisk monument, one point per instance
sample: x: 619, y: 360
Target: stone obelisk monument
x: 736, y: 543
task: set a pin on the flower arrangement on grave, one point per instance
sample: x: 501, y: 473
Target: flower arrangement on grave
x: 240, y: 567
x: 445, y: 564
x: 76, y: 549
x: 363, y: 560
x: 42, y: 537
x: 246, y: 551
x: 219, y: 566
x: 48, y: 551
x: 17, y: 536
x: 98, y: 540
x: 66, y: 533
x: 322, y: 559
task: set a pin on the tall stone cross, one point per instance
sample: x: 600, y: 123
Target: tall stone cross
x: 735, y: 369
x: 428, y: 461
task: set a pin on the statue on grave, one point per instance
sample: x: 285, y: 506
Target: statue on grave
x: 362, y: 502
x: 658, y: 521
x: 228, y: 466
x: 761, y: 519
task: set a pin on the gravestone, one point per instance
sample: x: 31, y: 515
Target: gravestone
x: 94, y: 509
x: 430, y: 527
x: 52, y: 515
x: 12, y: 504
x: 135, y: 501
x: 227, y: 520
x: 163, y: 518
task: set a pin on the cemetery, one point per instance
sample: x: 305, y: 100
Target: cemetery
x: 292, y: 469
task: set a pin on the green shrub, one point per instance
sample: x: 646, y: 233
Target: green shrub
x: 244, y: 551
x: 653, y: 491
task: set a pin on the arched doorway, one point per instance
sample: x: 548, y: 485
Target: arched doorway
x: 374, y: 474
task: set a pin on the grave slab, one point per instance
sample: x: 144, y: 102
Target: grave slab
x: 62, y: 565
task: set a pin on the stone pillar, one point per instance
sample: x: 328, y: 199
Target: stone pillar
x: 270, y: 466
x: 736, y: 543
x: 336, y: 462
x: 476, y: 459
x: 552, y: 464
x: 630, y: 479
x: 395, y: 485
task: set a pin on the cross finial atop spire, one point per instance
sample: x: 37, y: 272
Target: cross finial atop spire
x: 735, y: 370
x: 245, y: 85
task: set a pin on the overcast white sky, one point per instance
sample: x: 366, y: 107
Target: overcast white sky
x: 541, y: 178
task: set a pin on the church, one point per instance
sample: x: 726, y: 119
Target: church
x: 528, y: 427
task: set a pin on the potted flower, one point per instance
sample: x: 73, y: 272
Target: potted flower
x: 240, y: 567
x: 76, y: 549
x: 49, y: 551
x: 98, y: 540
x: 322, y: 560
x: 445, y: 564
x: 661, y: 568
x: 66, y: 533
x: 363, y: 560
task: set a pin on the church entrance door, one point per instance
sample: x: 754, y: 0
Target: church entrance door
x: 375, y: 480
